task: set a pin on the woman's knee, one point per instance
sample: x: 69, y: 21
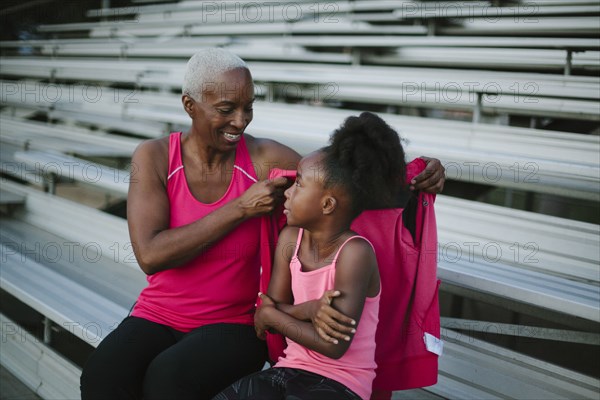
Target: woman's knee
x: 103, y: 378
x: 205, y: 362
x: 166, y: 379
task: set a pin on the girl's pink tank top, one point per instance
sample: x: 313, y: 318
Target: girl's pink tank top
x: 356, y: 368
x: 220, y: 285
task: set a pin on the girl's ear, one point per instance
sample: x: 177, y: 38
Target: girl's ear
x: 329, y: 205
x: 188, y: 105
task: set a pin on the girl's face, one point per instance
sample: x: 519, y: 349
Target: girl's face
x: 304, y: 199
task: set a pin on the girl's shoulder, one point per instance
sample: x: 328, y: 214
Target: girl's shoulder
x: 289, y: 234
x: 356, y: 247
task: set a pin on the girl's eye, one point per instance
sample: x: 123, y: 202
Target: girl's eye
x: 297, y: 183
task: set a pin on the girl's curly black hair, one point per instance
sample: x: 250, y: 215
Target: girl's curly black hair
x: 365, y: 157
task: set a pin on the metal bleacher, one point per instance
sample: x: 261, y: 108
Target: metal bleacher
x: 451, y: 77
x: 480, y: 92
x: 549, y: 162
x: 84, y: 280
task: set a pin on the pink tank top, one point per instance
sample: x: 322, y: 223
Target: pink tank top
x: 356, y: 368
x: 220, y: 285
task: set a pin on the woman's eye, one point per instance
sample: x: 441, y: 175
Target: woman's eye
x: 225, y: 110
x: 297, y: 183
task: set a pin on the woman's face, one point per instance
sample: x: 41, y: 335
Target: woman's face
x: 225, y: 109
x: 304, y: 198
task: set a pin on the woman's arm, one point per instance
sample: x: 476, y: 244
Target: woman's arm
x: 156, y: 246
x: 268, y: 154
x: 355, y: 271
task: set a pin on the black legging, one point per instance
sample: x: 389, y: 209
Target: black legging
x: 143, y: 359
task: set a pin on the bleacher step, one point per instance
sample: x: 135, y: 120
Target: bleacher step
x: 10, y: 198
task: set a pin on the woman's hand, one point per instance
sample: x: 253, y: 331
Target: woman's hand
x: 262, y: 197
x: 329, y: 323
x: 261, y: 316
x: 430, y: 180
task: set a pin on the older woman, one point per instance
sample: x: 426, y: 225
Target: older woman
x: 191, y: 212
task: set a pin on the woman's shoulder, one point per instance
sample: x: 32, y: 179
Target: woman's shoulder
x: 269, y: 154
x: 153, y: 152
x: 155, y: 147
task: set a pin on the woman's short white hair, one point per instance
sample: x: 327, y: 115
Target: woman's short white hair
x: 205, y: 66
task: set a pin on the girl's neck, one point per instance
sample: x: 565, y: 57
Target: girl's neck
x: 323, y: 245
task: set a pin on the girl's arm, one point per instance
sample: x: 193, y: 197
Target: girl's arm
x: 329, y: 323
x: 280, y: 285
x: 355, y: 271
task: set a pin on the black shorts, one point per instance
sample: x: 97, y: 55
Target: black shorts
x: 286, y: 384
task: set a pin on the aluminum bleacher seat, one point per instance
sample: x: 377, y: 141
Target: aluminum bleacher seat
x: 9, y: 166
x: 358, y: 41
x: 548, y: 26
x: 474, y: 369
x: 152, y: 72
x: 58, y: 165
x: 551, y: 54
x: 77, y: 46
x: 546, y: 262
x: 422, y: 87
x: 75, y: 266
x: 493, y: 58
x: 479, y: 92
x: 37, y: 135
x: 522, y: 158
x: 47, y: 373
x: 81, y: 253
x: 499, y: 155
x: 195, y: 27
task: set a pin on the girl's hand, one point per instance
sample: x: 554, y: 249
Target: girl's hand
x: 261, y: 318
x: 329, y: 323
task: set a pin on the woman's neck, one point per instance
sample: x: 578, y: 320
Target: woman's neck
x: 209, y: 156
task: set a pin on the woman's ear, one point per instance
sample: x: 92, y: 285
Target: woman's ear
x: 329, y: 205
x: 188, y: 105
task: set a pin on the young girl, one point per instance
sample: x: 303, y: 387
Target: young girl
x: 316, y: 253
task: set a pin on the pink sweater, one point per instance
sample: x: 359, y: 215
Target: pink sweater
x: 356, y: 368
x: 220, y: 285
